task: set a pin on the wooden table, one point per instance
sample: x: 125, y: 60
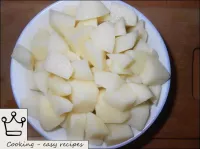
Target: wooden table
x: 178, y: 23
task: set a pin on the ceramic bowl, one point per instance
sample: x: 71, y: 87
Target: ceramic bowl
x: 19, y: 74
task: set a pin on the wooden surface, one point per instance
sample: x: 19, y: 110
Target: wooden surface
x: 178, y: 23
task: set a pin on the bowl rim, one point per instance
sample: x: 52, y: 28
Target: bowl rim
x: 167, y: 87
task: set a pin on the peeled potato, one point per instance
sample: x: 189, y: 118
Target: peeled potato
x: 133, y: 79
x: 141, y: 30
x: 82, y: 70
x: 103, y: 18
x: 94, y: 55
x: 156, y: 90
x: 39, y: 66
x: 108, y: 80
x: 64, y: 123
x: 57, y: 44
x: 58, y: 64
x: 59, y: 104
x: 90, y: 9
x: 122, y: 98
x: 78, y: 38
x: 31, y: 81
x: 32, y: 104
x: 139, y: 116
x: 59, y: 86
x: 114, y: 67
x: 84, y: 95
x: 60, y: 21
x: 23, y: 56
x: 139, y: 61
x: 103, y: 37
x: 141, y: 91
x: 139, y: 26
x: 154, y: 72
x: 117, y: 11
x: 70, y: 10
x: 115, y: 116
x: 95, y: 129
x: 41, y: 80
x: 125, y: 42
x: 72, y: 56
x: 75, y: 126
x: 90, y: 22
x: 39, y: 44
x: 48, y: 119
x: 142, y: 46
x: 118, y: 133
x: 122, y: 60
x: 120, y: 28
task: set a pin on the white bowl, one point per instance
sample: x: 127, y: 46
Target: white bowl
x: 19, y: 74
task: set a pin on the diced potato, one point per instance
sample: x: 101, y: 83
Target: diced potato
x: 125, y: 42
x: 82, y: 70
x: 117, y: 11
x: 30, y: 80
x: 64, y: 123
x: 122, y: 98
x: 59, y: 104
x: 115, y: 116
x: 103, y: 37
x: 141, y: 29
x: 32, y: 104
x: 57, y: 44
x: 123, y: 60
x: 78, y: 38
x: 61, y: 22
x: 139, y: 116
x: 139, y: 61
x: 39, y: 66
x: 114, y: 67
x: 48, y: 119
x: 156, y: 90
x: 118, y: 133
x: 94, y: 55
x: 133, y: 79
x: 70, y: 10
x: 142, y: 46
x: 141, y: 91
x: 39, y: 44
x: 59, y: 86
x: 108, y: 80
x: 144, y: 35
x: 72, y: 56
x: 90, y: 22
x: 23, y: 56
x: 90, y: 9
x: 75, y: 126
x: 95, y: 129
x: 103, y: 18
x: 41, y: 80
x: 154, y: 72
x: 120, y: 28
x: 58, y: 64
x: 131, y: 53
x: 84, y: 95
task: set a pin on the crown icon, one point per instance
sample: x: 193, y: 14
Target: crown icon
x: 11, y: 128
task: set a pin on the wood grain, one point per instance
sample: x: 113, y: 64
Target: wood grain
x: 178, y: 23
